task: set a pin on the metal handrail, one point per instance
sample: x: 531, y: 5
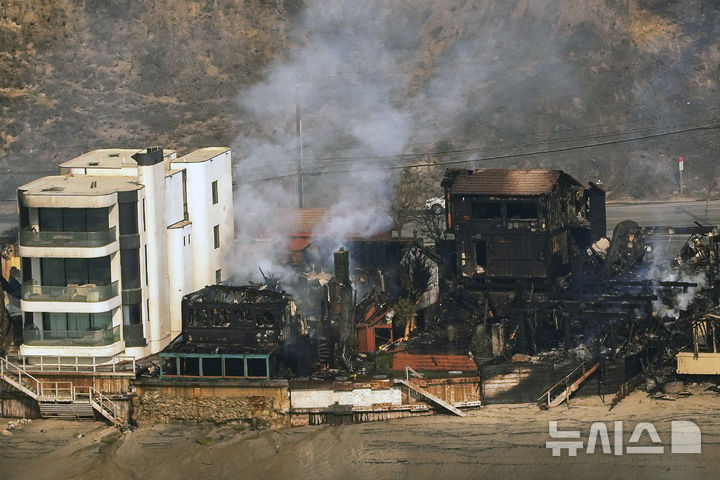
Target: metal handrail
x: 562, y: 381
x: 113, y: 409
x: 116, y: 364
x: 5, y: 367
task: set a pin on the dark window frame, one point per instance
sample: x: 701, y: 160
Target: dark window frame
x: 215, y: 195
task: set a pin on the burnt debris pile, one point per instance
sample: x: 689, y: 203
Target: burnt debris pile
x: 523, y: 273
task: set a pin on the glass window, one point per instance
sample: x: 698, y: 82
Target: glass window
x: 97, y: 219
x: 100, y: 321
x: 215, y: 192
x: 128, y: 218
x: 53, y: 271
x: 51, y: 219
x: 132, y: 314
x: 24, y: 217
x: 78, y: 322
x: 130, y: 268
x: 98, y: 270
x: 56, y: 322
x: 26, y: 269
x: 216, y: 234
x: 218, y: 276
x: 76, y: 271
x: 74, y: 220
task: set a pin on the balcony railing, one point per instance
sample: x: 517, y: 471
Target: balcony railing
x: 71, y: 293
x: 29, y: 238
x: 86, y: 338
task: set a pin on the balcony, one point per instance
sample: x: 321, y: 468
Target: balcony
x: 71, y: 293
x: 68, y: 244
x: 67, y: 338
x: 29, y: 238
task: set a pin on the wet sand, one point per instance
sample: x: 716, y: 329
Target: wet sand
x: 501, y: 441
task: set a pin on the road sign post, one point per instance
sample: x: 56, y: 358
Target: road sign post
x: 681, y: 166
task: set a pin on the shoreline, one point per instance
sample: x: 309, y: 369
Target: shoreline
x: 493, y: 440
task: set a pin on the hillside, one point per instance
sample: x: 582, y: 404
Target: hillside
x: 474, y: 79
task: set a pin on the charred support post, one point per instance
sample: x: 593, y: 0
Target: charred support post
x: 341, y: 304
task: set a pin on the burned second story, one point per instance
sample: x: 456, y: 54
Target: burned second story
x: 520, y: 223
x: 494, y: 200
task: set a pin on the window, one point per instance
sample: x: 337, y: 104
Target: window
x: 234, y: 367
x: 216, y: 233
x: 80, y: 271
x: 130, y: 268
x: 132, y: 314
x: 218, y: 276
x: 147, y: 282
x: 73, y: 219
x: 76, y: 322
x: 524, y: 210
x: 128, y: 218
x: 480, y: 257
x: 24, y: 217
x: 212, y: 366
x: 486, y: 210
x: 215, y: 192
x: 144, y: 216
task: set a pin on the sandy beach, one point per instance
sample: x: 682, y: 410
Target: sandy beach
x: 501, y: 440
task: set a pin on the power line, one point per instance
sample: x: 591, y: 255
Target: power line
x: 330, y: 161
x: 494, y: 157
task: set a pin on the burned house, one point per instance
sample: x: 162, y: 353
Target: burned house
x: 519, y: 224
x: 232, y: 332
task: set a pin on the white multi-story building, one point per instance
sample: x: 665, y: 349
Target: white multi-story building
x: 111, y: 244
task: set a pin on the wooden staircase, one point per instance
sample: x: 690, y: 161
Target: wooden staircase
x: 433, y: 398
x: 70, y: 411
x: 561, y: 391
x: 61, y: 399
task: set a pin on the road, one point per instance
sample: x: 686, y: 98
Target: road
x: 675, y: 214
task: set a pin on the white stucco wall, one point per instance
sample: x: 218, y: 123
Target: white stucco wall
x: 181, y: 256
x: 363, y: 397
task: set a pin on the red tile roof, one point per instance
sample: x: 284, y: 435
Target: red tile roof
x: 433, y: 363
x: 316, y: 222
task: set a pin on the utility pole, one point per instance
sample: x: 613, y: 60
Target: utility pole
x: 299, y: 146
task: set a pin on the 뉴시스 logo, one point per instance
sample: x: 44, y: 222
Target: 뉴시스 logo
x: 685, y: 437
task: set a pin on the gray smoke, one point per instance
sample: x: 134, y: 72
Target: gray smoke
x: 661, y: 270
x: 371, y: 85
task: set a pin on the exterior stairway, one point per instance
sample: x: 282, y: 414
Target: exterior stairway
x: 433, y: 398
x: 561, y: 391
x: 71, y: 410
x: 61, y: 399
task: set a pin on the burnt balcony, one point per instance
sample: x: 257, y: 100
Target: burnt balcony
x: 70, y: 293
x: 68, y: 338
x: 29, y: 238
